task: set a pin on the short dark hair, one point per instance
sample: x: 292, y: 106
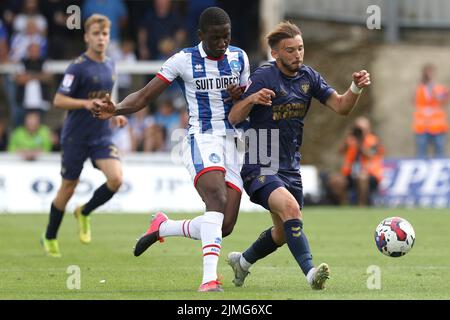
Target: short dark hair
x: 284, y: 30
x: 213, y: 16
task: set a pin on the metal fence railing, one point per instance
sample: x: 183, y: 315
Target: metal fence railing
x: 395, y: 14
x: 410, y: 13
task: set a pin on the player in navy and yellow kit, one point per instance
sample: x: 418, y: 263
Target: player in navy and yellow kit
x: 87, y: 80
x: 276, y: 102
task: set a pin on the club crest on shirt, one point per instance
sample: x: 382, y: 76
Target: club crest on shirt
x: 68, y: 80
x: 262, y: 179
x: 235, y: 66
x: 214, y: 158
x: 305, y: 87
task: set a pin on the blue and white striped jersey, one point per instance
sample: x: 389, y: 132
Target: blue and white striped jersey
x: 204, y: 81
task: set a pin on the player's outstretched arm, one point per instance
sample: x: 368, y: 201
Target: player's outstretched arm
x: 132, y: 103
x: 344, y: 104
x: 68, y: 103
x: 239, y: 112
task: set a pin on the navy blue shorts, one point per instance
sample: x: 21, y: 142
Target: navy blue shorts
x: 74, y: 156
x: 259, y: 187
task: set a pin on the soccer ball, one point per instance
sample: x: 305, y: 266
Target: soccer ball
x: 394, y: 237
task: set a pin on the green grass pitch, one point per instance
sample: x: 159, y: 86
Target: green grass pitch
x: 342, y: 237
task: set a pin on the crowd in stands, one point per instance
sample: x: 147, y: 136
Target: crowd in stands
x: 35, y: 31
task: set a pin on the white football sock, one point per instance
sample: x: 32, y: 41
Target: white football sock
x: 211, y: 235
x: 310, y: 275
x: 181, y: 228
x: 244, y: 263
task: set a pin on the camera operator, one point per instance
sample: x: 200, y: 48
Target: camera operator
x: 363, y: 162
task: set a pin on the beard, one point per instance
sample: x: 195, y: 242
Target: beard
x: 290, y: 67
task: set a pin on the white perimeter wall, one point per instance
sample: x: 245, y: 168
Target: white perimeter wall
x: 151, y: 183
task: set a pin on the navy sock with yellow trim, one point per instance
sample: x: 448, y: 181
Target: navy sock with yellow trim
x: 298, y: 244
x: 262, y: 247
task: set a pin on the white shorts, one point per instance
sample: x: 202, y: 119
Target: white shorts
x: 207, y: 152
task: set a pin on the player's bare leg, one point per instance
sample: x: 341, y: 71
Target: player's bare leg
x: 286, y: 217
x: 278, y: 235
x: 283, y: 204
x: 231, y: 211
x: 65, y: 193
x: 112, y: 169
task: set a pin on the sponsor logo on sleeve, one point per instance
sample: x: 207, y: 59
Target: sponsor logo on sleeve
x: 68, y: 80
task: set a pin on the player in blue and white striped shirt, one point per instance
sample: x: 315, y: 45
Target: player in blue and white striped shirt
x: 204, y: 81
x: 211, y: 75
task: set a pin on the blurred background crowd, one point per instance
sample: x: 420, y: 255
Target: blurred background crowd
x: 35, y: 31
x: 403, y: 114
